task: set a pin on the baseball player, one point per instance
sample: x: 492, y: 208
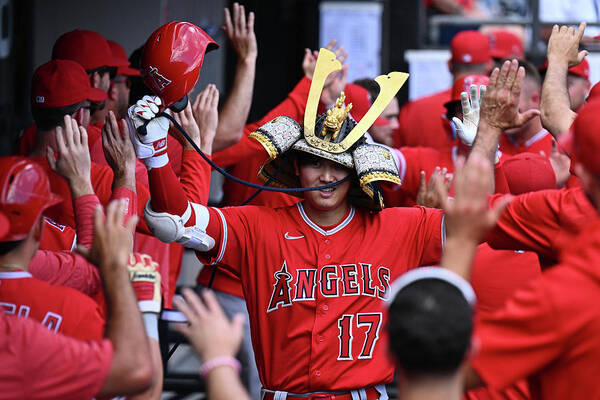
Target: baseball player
x: 37, y: 363
x: 548, y: 330
x: 314, y: 274
x: 59, y: 308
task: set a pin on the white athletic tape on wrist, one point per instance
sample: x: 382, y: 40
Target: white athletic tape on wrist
x: 432, y: 273
x: 149, y: 306
x: 151, y: 324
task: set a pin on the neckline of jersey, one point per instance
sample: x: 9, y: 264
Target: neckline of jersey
x: 319, y: 229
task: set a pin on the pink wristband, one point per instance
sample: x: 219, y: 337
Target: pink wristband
x: 223, y: 361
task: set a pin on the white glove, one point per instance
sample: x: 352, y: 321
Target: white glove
x: 467, y: 128
x: 151, y: 146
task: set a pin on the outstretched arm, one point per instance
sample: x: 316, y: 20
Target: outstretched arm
x: 234, y: 113
x: 563, y: 52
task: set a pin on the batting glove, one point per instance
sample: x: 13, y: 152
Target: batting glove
x: 467, y: 128
x: 149, y: 132
x: 145, y: 279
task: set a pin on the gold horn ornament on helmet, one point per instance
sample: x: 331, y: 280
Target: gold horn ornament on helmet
x: 327, y: 63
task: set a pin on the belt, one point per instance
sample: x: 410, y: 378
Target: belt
x: 371, y: 394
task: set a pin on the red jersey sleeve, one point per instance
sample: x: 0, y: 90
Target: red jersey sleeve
x: 431, y: 234
x: 39, y: 364
x: 66, y: 269
x: 540, y: 221
x: 195, y: 177
x: 229, y: 227
x: 84, y: 207
x: 519, y: 339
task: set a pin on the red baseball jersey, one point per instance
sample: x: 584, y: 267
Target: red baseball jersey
x: 423, y: 123
x: 540, y: 142
x: 314, y: 294
x: 59, y: 308
x: 549, y: 331
x: 38, y: 364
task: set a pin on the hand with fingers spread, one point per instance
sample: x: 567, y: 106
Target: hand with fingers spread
x: 206, y: 114
x: 563, y: 45
x: 186, y: 119
x: 309, y: 62
x: 72, y: 160
x: 467, y: 216
x: 431, y: 194
x: 118, y: 150
x: 209, y: 330
x: 241, y: 33
x: 466, y: 129
x: 500, y: 106
x: 113, y: 240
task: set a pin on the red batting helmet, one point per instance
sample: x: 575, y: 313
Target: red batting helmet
x: 172, y: 60
x: 24, y: 194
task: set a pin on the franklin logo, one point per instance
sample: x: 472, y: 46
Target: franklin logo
x: 160, y: 81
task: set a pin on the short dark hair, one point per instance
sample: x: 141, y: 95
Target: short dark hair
x: 49, y: 118
x: 7, y: 247
x: 371, y: 86
x: 430, y: 325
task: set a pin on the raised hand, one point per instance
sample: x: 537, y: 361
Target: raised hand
x: 467, y: 128
x: 72, y: 160
x: 206, y: 114
x: 432, y: 194
x: 563, y: 45
x: 186, y: 119
x: 117, y: 146
x: 241, y: 33
x: 209, y: 330
x: 500, y: 106
x: 468, y: 215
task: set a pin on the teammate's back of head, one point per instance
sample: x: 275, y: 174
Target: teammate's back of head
x: 430, y: 325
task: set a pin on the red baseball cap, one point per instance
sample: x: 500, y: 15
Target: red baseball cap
x: 528, y: 172
x: 88, y: 48
x: 586, y: 136
x: 582, y: 69
x: 505, y: 44
x: 361, y: 102
x: 61, y: 83
x: 464, y: 85
x: 120, y: 56
x: 470, y: 47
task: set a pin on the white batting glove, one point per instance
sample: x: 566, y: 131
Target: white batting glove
x: 467, y: 128
x: 149, y: 132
